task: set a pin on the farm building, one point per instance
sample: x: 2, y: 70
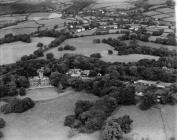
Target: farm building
x: 78, y: 73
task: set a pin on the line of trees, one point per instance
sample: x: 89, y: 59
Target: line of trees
x: 134, y: 48
x: 9, y: 38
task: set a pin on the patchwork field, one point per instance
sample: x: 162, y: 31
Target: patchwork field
x: 45, y: 120
x: 12, y: 52
x: 85, y: 46
x: 151, y: 124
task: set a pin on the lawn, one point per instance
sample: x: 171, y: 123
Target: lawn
x: 85, y: 46
x: 45, y: 120
x: 12, y: 52
x: 149, y: 124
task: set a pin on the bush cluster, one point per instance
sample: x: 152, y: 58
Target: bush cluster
x: 17, y: 106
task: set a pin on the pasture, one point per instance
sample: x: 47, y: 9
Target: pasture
x: 156, y: 45
x: 152, y: 124
x: 50, y: 23
x: 17, y: 31
x: 46, y: 120
x: 122, y: 4
x: 12, y: 52
x: 85, y: 46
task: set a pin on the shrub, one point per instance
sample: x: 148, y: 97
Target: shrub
x: 110, y: 52
x: 69, y: 47
x: 22, y: 91
x: 96, y: 55
x: 40, y: 45
x: 82, y: 106
x: 60, y: 49
x: 112, y: 130
x: 1, y: 134
x: 69, y: 120
x: 2, y: 123
x: 18, y: 106
x: 96, y: 41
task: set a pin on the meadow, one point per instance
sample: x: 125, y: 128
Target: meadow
x: 85, y: 46
x: 46, y: 120
x: 12, y: 52
x: 152, y: 123
x: 155, y: 45
x: 123, y: 4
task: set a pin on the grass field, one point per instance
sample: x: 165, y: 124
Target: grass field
x: 26, y: 24
x: 85, y: 46
x: 45, y: 120
x: 122, y: 4
x: 156, y: 45
x: 50, y: 23
x: 17, y: 31
x: 151, y: 123
x: 12, y: 52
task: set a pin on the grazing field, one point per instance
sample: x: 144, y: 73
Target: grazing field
x: 151, y: 13
x: 12, y: 52
x: 161, y: 16
x: 11, y: 19
x: 156, y: 2
x: 85, y: 46
x: 122, y: 4
x: 166, y: 10
x: 26, y: 24
x: 17, y: 31
x: 46, y: 119
x: 152, y: 123
x: 156, y: 45
x: 38, y: 16
x: 50, y: 23
x: 170, y: 19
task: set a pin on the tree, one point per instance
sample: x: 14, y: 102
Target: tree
x: 55, y: 78
x: 22, y: 91
x: 2, y: 123
x: 112, y: 130
x: 110, y: 52
x: 40, y: 45
x: 82, y: 106
x: 49, y: 56
x: 96, y: 55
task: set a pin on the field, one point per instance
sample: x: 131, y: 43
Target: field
x: 156, y: 45
x: 50, y: 23
x: 85, y: 46
x: 12, y: 52
x: 152, y: 124
x: 156, y: 2
x: 45, y: 120
x: 11, y: 19
x: 123, y: 4
x: 17, y: 31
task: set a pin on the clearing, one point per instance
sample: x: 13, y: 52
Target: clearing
x: 152, y: 123
x: 46, y: 119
